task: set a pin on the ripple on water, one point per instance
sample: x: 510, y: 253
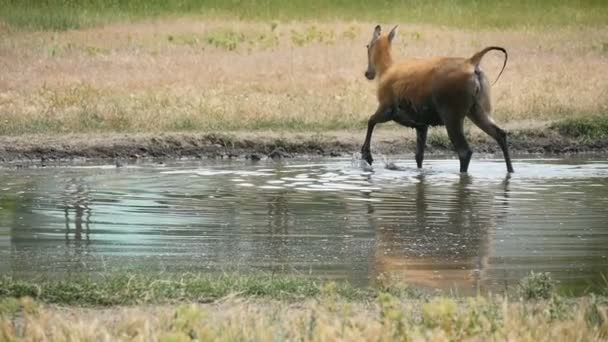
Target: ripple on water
x: 432, y: 227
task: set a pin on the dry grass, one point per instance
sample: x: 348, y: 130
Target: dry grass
x: 326, y: 319
x: 174, y: 75
x: 262, y: 308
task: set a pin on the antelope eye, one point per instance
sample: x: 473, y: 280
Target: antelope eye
x: 367, y: 46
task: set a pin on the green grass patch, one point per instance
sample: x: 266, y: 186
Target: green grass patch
x: 588, y: 128
x: 64, y: 15
x: 131, y: 289
x: 126, y: 289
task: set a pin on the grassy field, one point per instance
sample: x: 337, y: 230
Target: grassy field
x: 139, y: 66
x: 259, y: 308
x: 62, y: 15
x: 189, y: 75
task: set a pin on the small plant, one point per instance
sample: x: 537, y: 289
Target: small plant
x: 273, y: 25
x: 225, y: 39
x: 9, y: 306
x: 312, y: 35
x: 329, y: 289
x: 596, y: 315
x: 392, y: 315
x: 482, y: 316
x: 267, y: 41
x: 558, y: 308
x: 440, y: 313
x: 537, y: 286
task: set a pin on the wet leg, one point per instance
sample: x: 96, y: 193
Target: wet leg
x: 421, y: 133
x: 486, y: 124
x: 382, y: 115
x: 456, y: 134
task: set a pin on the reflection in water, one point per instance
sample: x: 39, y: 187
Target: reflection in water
x: 76, y: 200
x: 442, y: 238
x: 279, y: 226
x: 432, y: 228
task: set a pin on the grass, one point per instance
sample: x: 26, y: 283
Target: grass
x: 537, y: 286
x: 278, y: 308
x: 387, y: 319
x: 224, y: 75
x: 587, y: 128
x: 65, y: 15
x: 218, y: 66
x: 129, y: 289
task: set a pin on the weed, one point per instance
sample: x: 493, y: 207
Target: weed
x: 482, y: 315
x: 9, y: 306
x: 558, y: 308
x: 312, y: 35
x: 537, y: 286
x: 440, y: 312
x: 225, y: 39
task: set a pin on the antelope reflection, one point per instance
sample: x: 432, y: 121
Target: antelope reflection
x: 441, y: 240
x: 76, y: 201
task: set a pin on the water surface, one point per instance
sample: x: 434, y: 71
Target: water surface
x: 322, y: 218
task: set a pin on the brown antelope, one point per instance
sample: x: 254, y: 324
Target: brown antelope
x: 419, y: 93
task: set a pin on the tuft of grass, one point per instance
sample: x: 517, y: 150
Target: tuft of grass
x: 537, y: 286
x: 439, y: 139
x: 9, y: 306
x: 312, y: 35
x: 225, y: 39
x: 588, y: 128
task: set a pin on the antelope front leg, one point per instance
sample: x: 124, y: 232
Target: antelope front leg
x: 382, y: 115
x: 421, y: 133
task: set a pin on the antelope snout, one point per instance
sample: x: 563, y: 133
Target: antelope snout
x: 370, y: 75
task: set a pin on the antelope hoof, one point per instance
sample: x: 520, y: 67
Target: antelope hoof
x: 367, y: 157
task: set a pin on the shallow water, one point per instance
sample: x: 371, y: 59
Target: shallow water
x: 323, y: 218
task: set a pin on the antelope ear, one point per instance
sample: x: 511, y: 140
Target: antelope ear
x: 377, y: 31
x: 393, y: 33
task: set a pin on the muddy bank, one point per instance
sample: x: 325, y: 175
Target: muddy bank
x: 260, y: 145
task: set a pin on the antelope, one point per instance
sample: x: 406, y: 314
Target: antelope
x: 419, y: 93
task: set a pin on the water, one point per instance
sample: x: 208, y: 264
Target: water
x: 324, y: 218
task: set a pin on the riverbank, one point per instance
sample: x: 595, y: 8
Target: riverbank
x: 41, y: 149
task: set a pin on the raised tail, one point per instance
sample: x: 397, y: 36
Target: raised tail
x: 478, y: 56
